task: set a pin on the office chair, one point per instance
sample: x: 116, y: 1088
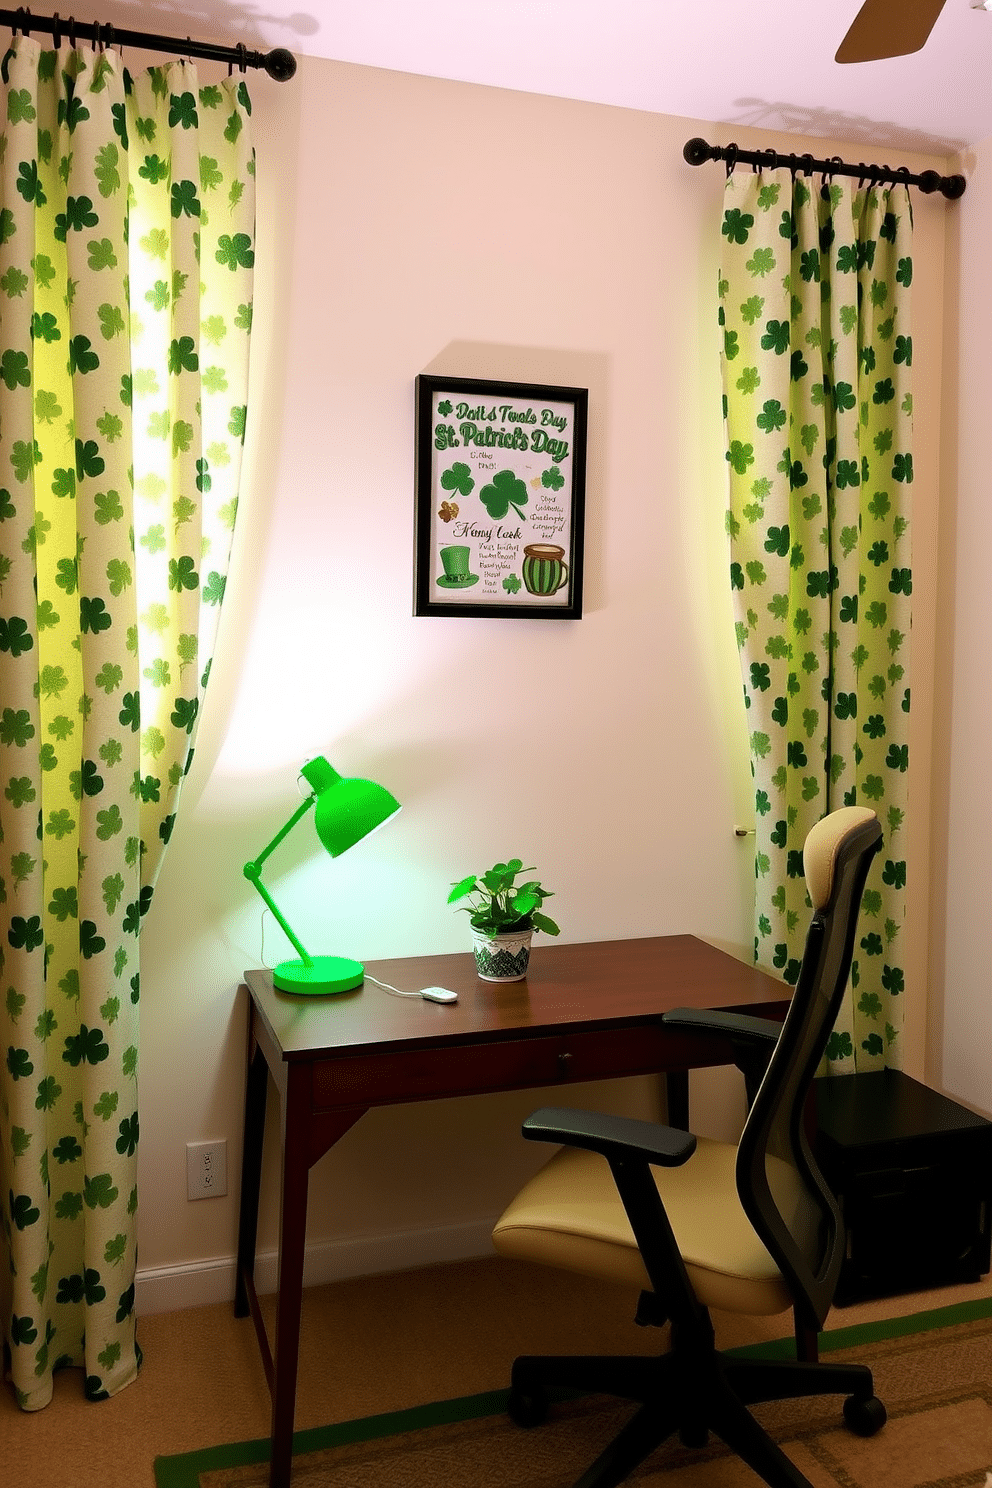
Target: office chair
x: 699, y: 1224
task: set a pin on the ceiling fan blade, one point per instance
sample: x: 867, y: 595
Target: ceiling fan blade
x: 888, y: 28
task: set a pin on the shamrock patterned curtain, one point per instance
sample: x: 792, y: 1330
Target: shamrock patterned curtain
x: 126, y: 229
x: 817, y: 352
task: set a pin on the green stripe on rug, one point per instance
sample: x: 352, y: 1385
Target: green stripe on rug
x: 865, y: 1333
x: 184, y: 1469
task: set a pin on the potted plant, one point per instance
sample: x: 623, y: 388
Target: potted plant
x: 503, y: 917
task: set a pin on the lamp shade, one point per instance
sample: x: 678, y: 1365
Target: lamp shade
x: 347, y: 809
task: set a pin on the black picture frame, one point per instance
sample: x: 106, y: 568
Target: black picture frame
x: 498, y: 463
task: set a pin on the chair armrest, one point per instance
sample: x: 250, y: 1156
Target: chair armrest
x: 760, y: 1031
x: 752, y: 1039
x: 630, y: 1147
x: 613, y: 1136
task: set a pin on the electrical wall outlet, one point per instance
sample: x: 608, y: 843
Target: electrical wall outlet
x: 206, y: 1169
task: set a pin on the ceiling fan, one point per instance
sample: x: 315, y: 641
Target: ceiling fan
x: 889, y: 28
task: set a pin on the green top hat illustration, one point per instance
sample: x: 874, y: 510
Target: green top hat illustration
x: 456, y: 571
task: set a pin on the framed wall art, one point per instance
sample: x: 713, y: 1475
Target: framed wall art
x: 500, y: 498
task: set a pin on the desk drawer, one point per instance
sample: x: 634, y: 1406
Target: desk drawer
x: 473, y: 1069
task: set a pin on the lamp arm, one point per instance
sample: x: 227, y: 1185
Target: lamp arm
x: 253, y: 873
x: 294, y: 940
x: 300, y: 812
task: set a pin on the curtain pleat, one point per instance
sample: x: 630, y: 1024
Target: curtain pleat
x: 126, y: 232
x: 816, y: 355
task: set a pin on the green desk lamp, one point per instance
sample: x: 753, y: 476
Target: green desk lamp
x: 346, y: 811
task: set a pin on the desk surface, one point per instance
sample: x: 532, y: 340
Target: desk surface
x: 587, y: 986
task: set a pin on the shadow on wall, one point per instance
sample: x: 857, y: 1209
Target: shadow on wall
x: 213, y: 20
x: 835, y: 124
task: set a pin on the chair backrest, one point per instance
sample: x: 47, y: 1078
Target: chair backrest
x: 782, y: 1190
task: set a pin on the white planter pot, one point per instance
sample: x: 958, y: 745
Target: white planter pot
x: 502, y: 958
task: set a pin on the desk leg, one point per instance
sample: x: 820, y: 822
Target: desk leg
x: 297, y: 1158
x: 251, y: 1175
x: 677, y: 1097
x: 289, y: 1302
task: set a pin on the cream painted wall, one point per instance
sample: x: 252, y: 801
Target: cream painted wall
x: 416, y: 225
x: 961, y: 1035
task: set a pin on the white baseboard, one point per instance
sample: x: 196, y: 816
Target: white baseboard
x: 198, y: 1283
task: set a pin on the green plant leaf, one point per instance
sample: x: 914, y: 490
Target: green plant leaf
x: 459, y: 890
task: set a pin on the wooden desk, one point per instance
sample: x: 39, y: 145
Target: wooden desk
x: 585, y: 1012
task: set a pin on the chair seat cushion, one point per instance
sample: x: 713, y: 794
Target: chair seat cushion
x: 570, y: 1215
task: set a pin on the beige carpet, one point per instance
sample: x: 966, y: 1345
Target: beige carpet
x: 380, y: 1344
x: 936, y: 1385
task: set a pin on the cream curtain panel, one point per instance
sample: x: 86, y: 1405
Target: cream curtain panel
x: 817, y: 355
x: 126, y: 259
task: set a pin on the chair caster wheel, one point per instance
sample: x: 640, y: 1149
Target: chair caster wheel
x: 527, y: 1407
x: 864, y: 1417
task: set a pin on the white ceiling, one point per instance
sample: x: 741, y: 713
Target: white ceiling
x: 761, y: 62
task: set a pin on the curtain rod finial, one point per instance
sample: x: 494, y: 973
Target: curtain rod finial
x: 697, y: 152
x: 280, y: 65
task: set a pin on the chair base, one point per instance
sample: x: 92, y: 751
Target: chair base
x: 693, y: 1390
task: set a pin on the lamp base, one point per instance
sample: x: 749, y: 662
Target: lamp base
x: 324, y: 975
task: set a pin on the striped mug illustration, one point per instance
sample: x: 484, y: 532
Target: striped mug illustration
x: 544, y: 569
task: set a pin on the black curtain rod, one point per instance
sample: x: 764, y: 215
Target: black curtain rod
x: 279, y: 64
x: 697, y: 152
